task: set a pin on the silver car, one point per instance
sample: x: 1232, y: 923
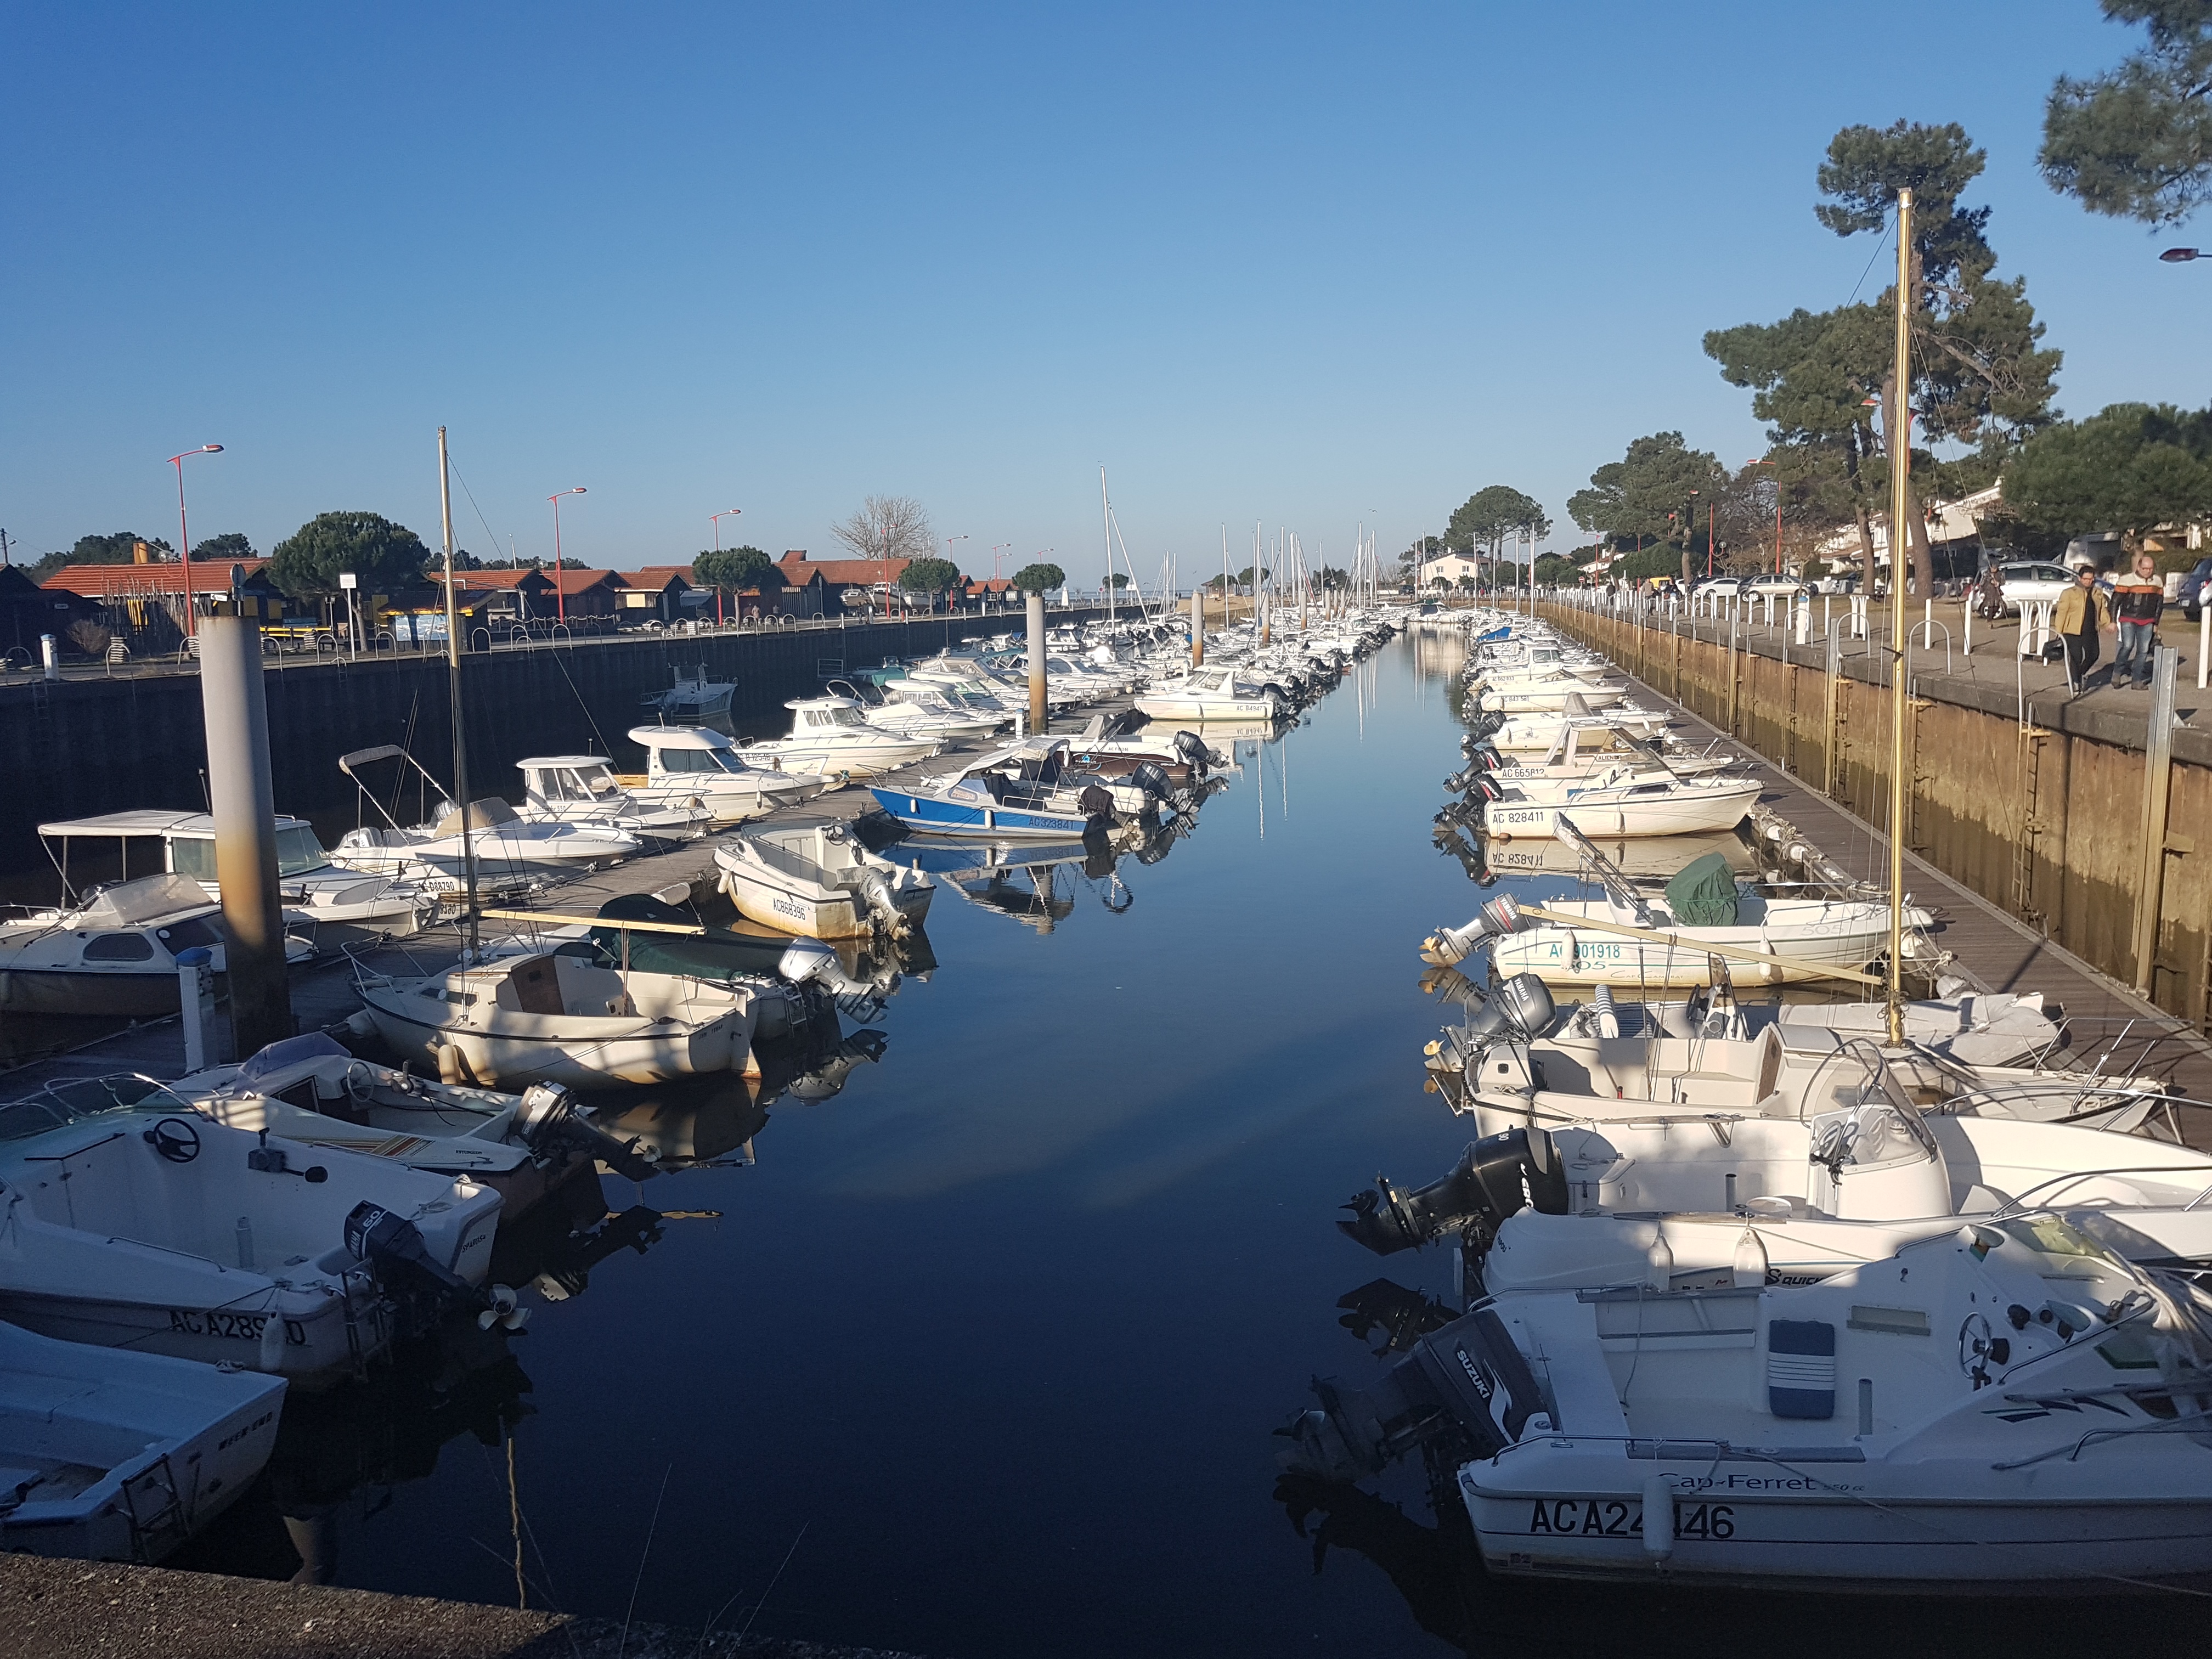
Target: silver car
x: 2009, y: 587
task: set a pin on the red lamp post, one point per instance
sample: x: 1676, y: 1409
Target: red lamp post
x: 560, y: 596
x: 183, y: 535
x: 716, y: 520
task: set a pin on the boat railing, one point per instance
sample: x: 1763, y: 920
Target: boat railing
x: 2026, y: 1202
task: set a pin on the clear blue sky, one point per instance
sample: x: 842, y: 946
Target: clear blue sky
x: 1304, y: 263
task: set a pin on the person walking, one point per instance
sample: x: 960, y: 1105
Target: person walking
x: 2137, y: 598
x: 2079, y: 614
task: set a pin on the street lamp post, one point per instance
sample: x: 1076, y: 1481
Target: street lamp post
x: 560, y: 597
x: 716, y: 520
x: 183, y: 535
x: 949, y: 540
x: 998, y: 553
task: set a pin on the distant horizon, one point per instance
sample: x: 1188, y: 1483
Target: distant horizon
x: 1318, y: 270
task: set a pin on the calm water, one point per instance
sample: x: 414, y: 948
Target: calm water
x: 983, y: 1353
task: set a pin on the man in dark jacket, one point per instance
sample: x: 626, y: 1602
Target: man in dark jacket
x: 2137, y: 598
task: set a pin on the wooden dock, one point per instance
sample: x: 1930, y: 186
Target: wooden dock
x: 1996, y: 951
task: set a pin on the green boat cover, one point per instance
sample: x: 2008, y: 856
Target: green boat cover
x: 1703, y: 893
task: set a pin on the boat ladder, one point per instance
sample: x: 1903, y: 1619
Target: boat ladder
x: 156, y: 1511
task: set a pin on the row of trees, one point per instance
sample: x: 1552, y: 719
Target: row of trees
x: 1979, y: 394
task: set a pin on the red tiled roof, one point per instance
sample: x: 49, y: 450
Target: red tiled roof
x: 656, y: 576
x: 797, y: 569
x: 490, y: 580
x: 103, y: 582
x: 568, y: 581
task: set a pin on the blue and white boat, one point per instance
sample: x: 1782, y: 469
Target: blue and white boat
x: 1014, y: 792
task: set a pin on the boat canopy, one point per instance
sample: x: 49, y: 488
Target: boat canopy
x: 680, y: 736
x: 149, y: 899
x: 542, y: 763
x: 482, y: 814
x: 145, y: 822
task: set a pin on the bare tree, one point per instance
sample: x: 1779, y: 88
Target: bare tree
x: 887, y: 527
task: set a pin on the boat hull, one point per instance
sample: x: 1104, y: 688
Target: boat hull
x: 927, y: 815
x: 126, y: 996
x: 312, y: 1338
x: 1855, y: 1537
x: 515, y: 1050
x: 1570, y: 956
x: 1704, y: 811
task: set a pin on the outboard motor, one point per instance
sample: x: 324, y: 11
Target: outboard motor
x: 549, y: 1121
x: 1151, y: 777
x: 1095, y: 802
x: 1498, y: 918
x: 1521, y: 1009
x: 1497, y: 1176
x: 393, y: 1246
x: 1464, y: 1393
x: 1193, y: 748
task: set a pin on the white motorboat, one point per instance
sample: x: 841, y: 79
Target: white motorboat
x: 582, y: 789
x: 1021, y: 791
x: 1522, y: 733
x: 1609, y: 806
x: 127, y: 1225
x: 1585, y: 751
x: 1211, y: 694
x: 310, y: 1089
x: 1644, y: 857
x: 1989, y: 1404
x: 690, y: 701
x: 831, y: 732
x: 925, y: 711
x: 1556, y: 695
x: 110, y: 1456
x: 343, y: 905
x: 558, y: 1015
x: 1813, y: 934
x: 817, y: 879
x: 694, y: 762
x: 511, y: 852
x: 113, y: 954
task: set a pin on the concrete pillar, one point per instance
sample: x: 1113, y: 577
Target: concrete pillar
x: 1197, y: 628
x: 243, y: 802
x: 1038, y: 722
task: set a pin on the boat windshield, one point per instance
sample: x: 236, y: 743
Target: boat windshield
x: 82, y: 1100
x: 298, y: 852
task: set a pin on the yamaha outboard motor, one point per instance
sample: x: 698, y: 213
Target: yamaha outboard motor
x: 1498, y: 918
x: 548, y: 1121
x: 1151, y: 777
x: 1521, y: 1009
x: 1193, y: 748
x: 1497, y: 1176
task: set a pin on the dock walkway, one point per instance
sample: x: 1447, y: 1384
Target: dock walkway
x: 1999, y: 952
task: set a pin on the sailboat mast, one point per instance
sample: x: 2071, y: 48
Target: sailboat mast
x: 1901, y: 465
x: 1106, y: 532
x: 454, y: 697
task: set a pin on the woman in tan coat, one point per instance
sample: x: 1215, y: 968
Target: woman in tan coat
x: 2080, y: 615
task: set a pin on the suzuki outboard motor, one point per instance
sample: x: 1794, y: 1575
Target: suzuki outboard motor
x: 1497, y: 1176
x: 547, y: 1120
x: 1464, y: 1392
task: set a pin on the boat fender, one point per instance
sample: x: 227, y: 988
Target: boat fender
x: 1658, y: 1516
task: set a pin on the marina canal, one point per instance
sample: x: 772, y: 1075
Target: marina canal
x: 1002, y: 1328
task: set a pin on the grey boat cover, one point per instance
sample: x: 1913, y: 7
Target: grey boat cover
x: 1703, y: 893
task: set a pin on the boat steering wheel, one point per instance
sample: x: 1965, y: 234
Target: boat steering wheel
x: 174, y: 1139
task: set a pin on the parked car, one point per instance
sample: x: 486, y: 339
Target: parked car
x: 2005, y: 587
x: 1836, y: 584
x: 1720, y: 587
x: 1780, y: 586
x: 2192, y: 593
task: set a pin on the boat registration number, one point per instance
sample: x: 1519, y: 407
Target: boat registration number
x: 1616, y: 1518
x: 236, y: 1326
x: 784, y: 906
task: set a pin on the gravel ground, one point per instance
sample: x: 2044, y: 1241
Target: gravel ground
x: 75, y: 1609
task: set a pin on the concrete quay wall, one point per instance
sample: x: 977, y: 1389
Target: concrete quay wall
x: 2044, y: 819
x: 82, y: 746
